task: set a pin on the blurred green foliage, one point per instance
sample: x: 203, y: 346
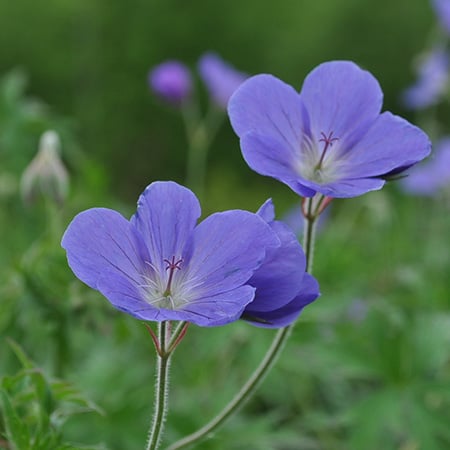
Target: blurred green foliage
x: 368, y: 365
x: 90, y: 60
x: 34, y: 407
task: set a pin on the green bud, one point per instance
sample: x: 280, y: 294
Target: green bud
x: 46, y: 174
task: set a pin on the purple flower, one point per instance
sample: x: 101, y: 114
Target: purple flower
x: 432, y: 82
x: 171, y: 81
x: 428, y: 178
x: 283, y: 288
x: 330, y: 138
x: 161, y: 266
x: 442, y: 10
x: 220, y: 78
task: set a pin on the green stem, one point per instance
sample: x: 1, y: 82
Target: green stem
x: 261, y: 371
x: 309, y: 234
x: 162, y: 388
x: 196, y: 164
x: 200, y: 132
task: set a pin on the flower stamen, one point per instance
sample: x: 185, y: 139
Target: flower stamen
x: 328, y: 142
x: 171, y: 265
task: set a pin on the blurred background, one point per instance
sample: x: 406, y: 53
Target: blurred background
x: 368, y: 366
x: 88, y: 61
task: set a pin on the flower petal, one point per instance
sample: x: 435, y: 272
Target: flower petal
x: 390, y: 143
x: 225, y: 250
x: 166, y: 216
x: 218, y: 309
x: 287, y: 314
x: 272, y: 158
x: 341, y: 98
x: 101, y: 240
x: 348, y: 187
x: 268, y: 106
x: 267, y: 211
x: 279, y: 278
x: 220, y: 78
x: 210, y: 310
x: 126, y: 297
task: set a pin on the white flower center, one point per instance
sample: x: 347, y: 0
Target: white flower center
x: 319, y: 165
x: 167, y: 290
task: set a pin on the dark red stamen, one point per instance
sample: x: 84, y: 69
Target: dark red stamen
x: 171, y: 265
x: 328, y: 142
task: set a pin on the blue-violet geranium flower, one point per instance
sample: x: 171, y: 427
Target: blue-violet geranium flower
x: 283, y: 288
x: 161, y: 265
x: 330, y: 138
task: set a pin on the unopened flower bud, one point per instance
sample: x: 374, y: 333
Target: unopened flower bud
x: 220, y: 78
x: 171, y: 81
x: 46, y: 174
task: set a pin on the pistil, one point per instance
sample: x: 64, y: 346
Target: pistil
x: 328, y: 142
x: 171, y: 266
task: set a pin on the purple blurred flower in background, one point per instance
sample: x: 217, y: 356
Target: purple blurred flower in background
x: 220, y: 78
x: 171, y: 81
x: 442, y: 10
x: 331, y: 138
x: 432, y: 83
x: 161, y: 266
x: 428, y: 178
x: 283, y: 288
x: 357, y: 311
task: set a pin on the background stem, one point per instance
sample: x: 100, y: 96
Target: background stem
x: 267, y: 362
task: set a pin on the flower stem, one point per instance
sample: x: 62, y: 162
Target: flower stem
x: 200, y: 132
x: 162, y: 388
x: 267, y: 362
x: 309, y: 234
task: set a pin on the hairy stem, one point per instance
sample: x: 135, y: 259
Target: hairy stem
x: 267, y: 362
x: 309, y: 234
x: 162, y: 388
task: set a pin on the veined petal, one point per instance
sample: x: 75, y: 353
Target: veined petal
x: 128, y: 297
x: 268, y: 156
x: 347, y: 188
x: 390, y: 143
x: 101, y: 240
x: 268, y: 106
x: 279, y: 278
x: 166, y: 216
x: 341, y: 98
x: 225, y: 250
x: 287, y: 314
x: 218, y: 309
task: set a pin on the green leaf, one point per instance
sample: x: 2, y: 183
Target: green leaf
x: 16, y: 430
x: 26, y: 362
